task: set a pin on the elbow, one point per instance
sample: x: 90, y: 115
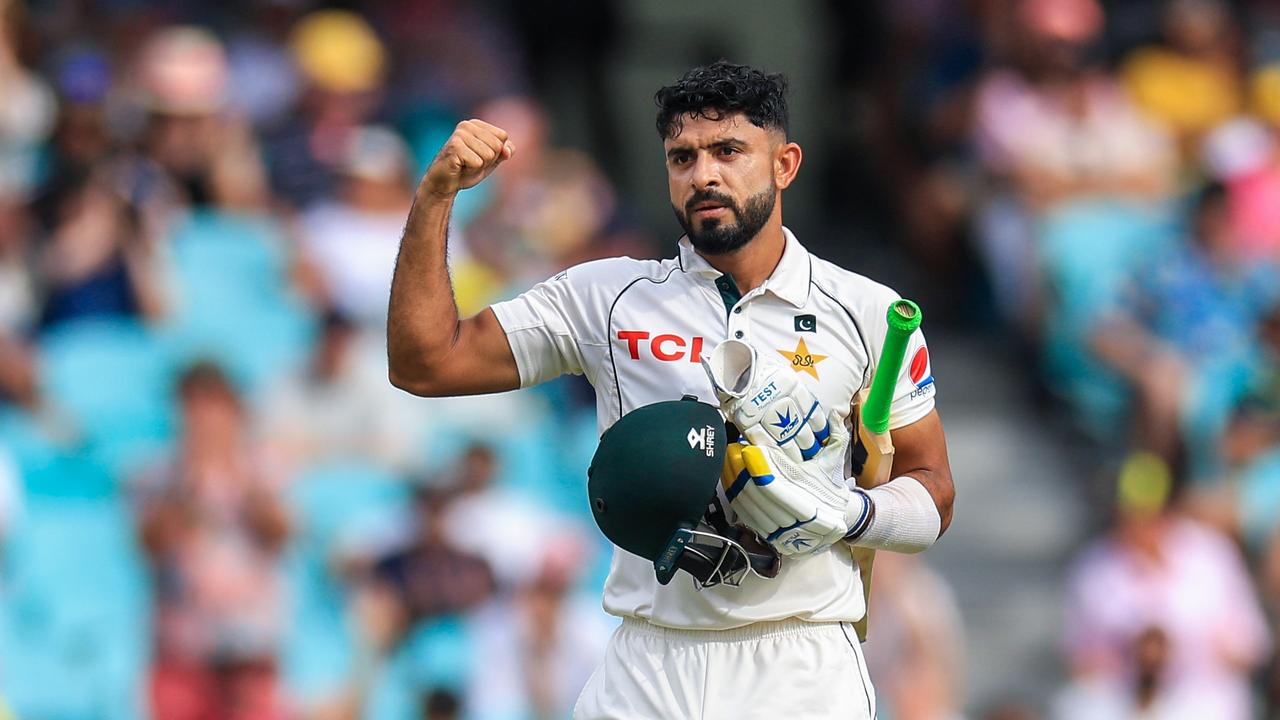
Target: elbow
x: 413, y: 379
x: 946, y: 500
x: 412, y: 366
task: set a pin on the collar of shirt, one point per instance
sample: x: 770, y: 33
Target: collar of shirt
x: 789, y: 281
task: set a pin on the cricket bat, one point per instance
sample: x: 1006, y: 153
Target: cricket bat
x: 872, y: 456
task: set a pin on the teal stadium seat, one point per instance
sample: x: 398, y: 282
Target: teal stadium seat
x: 1088, y: 251
x: 234, y: 303
x: 73, y: 612
x: 113, y: 378
x: 436, y: 654
x: 330, y: 505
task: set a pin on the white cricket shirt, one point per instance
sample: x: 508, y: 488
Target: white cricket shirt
x: 635, y: 328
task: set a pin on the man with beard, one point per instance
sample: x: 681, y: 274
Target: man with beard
x: 637, y: 329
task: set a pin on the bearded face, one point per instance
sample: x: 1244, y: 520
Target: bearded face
x: 716, y: 224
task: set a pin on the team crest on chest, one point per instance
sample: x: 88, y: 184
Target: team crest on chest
x: 802, y: 360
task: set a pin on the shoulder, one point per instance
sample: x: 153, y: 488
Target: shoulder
x: 858, y: 294
x: 619, y: 270
x: 601, y: 281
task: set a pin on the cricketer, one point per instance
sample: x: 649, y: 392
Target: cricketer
x: 766, y: 647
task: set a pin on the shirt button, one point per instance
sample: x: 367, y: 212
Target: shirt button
x: 737, y: 310
x: 738, y: 334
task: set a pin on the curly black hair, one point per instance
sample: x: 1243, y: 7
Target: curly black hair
x: 720, y: 89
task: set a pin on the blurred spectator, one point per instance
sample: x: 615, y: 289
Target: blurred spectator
x: 81, y: 138
x: 19, y: 381
x: 98, y: 260
x: 535, y: 650
x: 195, y: 154
x: 450, y: 55
x: 483, y: 507
x: 343, y: 65
x: 441, y: 705
x: 1160, y: 613
x: 1050, y: 128
x: 27, y: 113
x: 1192, y: 81
x: 915, y: 641
x: 264, y: 82
x: 351, y: 242
x: 1252, y: 498
x: 183, y: 73
x: 18, y: 301
x: 1148, y: 694
x: 427, y: 577
x: 1183, y: 334
x: 341, y: 407
x: 1244, y: 155
x: 1264, y: 91
x: 213, y: 525
x: 1248, y: 503
x: 1059, y: 126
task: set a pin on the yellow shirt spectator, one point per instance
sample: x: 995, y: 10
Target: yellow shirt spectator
x: 1190, y: 95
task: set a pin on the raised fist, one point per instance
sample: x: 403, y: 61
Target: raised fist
x: 472, y: 152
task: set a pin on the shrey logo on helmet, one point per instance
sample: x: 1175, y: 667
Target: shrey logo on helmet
x: 704, y: 439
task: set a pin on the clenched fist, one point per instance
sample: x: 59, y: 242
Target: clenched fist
x: 472, y: 152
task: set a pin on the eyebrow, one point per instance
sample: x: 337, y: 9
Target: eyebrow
x: 730, y: 142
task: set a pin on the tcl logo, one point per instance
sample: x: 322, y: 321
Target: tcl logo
x: 665, y: 347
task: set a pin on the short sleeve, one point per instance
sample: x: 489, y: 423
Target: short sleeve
x: 542, y: 328
x: 913, y: 398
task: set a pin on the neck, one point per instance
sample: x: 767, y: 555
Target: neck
x: 753, y: 263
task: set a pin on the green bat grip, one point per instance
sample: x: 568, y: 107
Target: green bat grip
x: 904, y: 317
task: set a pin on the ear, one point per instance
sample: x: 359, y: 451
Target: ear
x: 786, y: 163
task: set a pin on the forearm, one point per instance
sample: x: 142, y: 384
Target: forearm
x: 900, y: 515
x: 422, y: 318
x: 430, y: 350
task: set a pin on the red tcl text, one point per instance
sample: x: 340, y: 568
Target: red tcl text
x: 665, y: 347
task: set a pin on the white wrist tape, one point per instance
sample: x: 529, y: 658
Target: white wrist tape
x: 905, y: 518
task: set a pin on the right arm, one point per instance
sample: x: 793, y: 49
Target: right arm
x: 431, y: 351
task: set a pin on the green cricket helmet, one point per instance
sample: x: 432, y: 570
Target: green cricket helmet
x: 653, y: 491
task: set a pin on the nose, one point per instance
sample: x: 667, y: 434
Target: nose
x: 705, y: 173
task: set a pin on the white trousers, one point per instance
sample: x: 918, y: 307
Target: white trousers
x: 789, y: 670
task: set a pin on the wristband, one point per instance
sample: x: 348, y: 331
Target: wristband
x: 905, y: 520
x: 865, y: 519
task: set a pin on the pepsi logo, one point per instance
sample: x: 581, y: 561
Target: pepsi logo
x: 920, y: 365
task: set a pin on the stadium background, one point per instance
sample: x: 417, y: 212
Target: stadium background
x: 213, y: 505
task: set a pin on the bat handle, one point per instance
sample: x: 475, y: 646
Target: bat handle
x: 904, y: 317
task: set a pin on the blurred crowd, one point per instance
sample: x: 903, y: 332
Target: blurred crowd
x: 212, y: 502
x: 1106, y: 178
x: 213, y: 505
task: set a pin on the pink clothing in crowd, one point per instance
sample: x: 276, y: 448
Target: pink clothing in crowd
x: 1197, y: 591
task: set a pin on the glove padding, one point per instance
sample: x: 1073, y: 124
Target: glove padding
x: 798, y: 508
x: 763, y: 397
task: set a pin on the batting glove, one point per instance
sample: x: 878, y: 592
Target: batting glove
x: 797, y: 507
x: 762, y: 396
